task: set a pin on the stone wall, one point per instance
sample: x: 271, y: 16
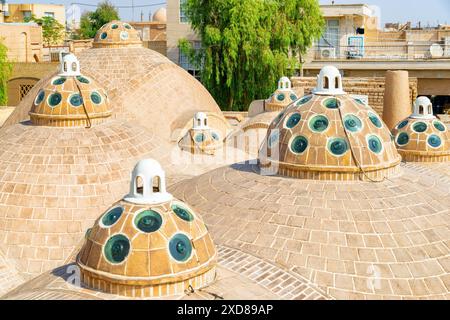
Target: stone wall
x: 372, y: 87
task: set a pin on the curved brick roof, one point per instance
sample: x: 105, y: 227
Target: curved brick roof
x: 353, y: 239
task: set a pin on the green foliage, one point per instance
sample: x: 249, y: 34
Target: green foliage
x: 5, y: 72
x: 52, y: 31
x: 248, y: 45
x: 91, y: 22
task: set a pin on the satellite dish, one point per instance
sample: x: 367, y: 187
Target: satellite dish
x: 436, y: 51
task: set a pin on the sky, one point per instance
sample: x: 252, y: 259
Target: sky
x: 427, y: 11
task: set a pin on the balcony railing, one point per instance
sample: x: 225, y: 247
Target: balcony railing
x: 398, y: 50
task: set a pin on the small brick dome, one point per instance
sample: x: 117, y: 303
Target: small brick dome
x: 148, y: 248
x: 70, y: 99
x: 201, y: 138
x: 331, y: 137
x: 117, y: 34
x: 282, y: 97
x: 422, y: 137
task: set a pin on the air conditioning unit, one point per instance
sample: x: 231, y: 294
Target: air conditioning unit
x: 328, y: 53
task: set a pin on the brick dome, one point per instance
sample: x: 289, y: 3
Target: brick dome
x: 422, y: 137
x: 57, y: 174
x: 282, y: 97
x: 117, y: 34
x: 202, y: 138
x: 330, y: 135
x: 148, y: 244
x: 70, y: 99
x: 144, y: 88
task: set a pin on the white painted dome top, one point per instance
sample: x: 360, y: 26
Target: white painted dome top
x: 200, y: 121
x: 422, y: 108
x: 329, y: 82
x: 70, y: 66
x: 284, y: 84
x: 148, y: 184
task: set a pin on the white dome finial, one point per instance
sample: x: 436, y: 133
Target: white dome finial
x: 329, y: 82
x: 423, y: 108
x: 200, y: 121
x: 148, y: 184
x: 284, y: 84
x: 70, y: 66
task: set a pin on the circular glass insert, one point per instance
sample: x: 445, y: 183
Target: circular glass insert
x: 281, y: 97
x: 338, y: 146
x: 293, y: 97
x: 304, y: 100
x: 299, y: 144
x: 76, y: 100
x: 332, y: 103
x: 40, y: 97
x: 88, y: 233
x: 180, y: 247
x: 112, y: 216
x: 103, y: 35
x: 352, y: 123
x: 403, y: 139
x: 54, y: 99
x: 375, y: 144
x: 439, y: 125
x: 59, y: 81
x: 117, y: 248
x: 124, y: 35
x: 274, y: 138
x: 114, y: 26
x: 200, y: 137
x: 126, y: 25
x: 215, y: 136
x: 293, y: 120
x: 96, y: 98
x: 375, y: 120
x: 279, y: 117
x: 319, y: 123
x: 359, y: 101
x: 148, y: 221
x: 420, y: 127
x: 83, y: 79
x: 434, y: 141
x: 402, y: 124
x: 182, y: 212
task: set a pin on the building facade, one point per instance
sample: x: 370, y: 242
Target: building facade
x: 20, y: 12
x: 178, y: 27
x: 23, y: 40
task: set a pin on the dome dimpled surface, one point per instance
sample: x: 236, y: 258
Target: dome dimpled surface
x: 337, y: 138
x: 117, y: 34
x: 422, y: 137
x: 153, y: 248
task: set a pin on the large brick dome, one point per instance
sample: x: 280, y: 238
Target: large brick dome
x: 143, y: 87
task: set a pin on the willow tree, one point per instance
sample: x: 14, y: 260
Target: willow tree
x: 247, y: 45
x: 5, y: 72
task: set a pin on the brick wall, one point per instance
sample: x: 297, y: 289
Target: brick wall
x: 372, y: 87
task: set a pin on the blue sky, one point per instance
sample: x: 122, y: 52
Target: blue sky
x: 426, y: 11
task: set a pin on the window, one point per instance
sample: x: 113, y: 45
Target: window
x: 331, y: 35
x: 27, y: 15
x: 186, y: 64
x: 24, y: 89
x: 183, y: 18
x: 49, y: 14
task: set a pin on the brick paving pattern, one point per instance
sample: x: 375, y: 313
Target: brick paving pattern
x: 354, y: 240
